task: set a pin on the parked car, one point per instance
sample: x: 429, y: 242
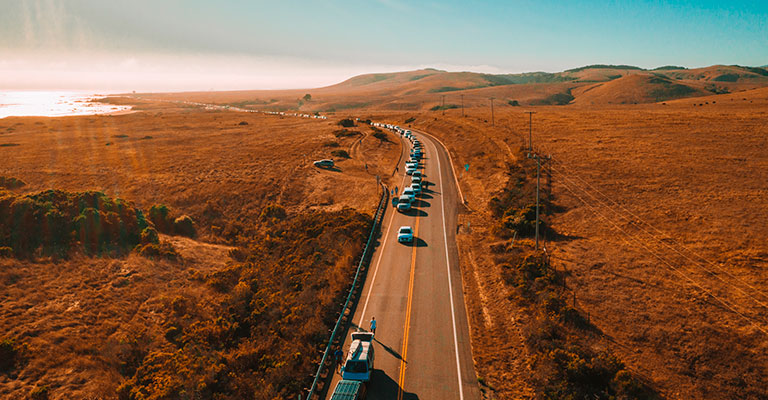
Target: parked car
x: 416, y: 179
x: 405, y: 234
x: 411, y: 164
x: 324, y: 163
x: 417, y: 173
x: 410, y: 171
x: 410, y: 193
x: 416, y: 187
x: 404, y: 203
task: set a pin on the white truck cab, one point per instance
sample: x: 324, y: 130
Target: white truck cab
x: 359, y: 363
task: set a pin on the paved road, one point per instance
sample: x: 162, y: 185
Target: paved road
x: 415, y: 292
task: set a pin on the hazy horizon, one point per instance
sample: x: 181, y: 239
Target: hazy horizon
x: 87, y: 45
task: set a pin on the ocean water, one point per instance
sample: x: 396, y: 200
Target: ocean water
x: 53, y: 104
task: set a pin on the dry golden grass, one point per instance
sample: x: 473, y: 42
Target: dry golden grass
x: 83, y: 317
x: 693, y: 169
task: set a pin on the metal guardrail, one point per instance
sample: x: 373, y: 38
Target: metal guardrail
x: 366, y: 250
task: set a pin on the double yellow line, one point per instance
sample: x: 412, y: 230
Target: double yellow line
x: 406, y: 329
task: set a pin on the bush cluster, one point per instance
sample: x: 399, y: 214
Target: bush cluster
x: 54, y: 222
x: 340, y: 153
x: 11, y: 353
x: 11, y: 183
x: 556, y: 333
x: 276, y: 310
x: 347, y: 122
x: 162, y: 218
x: 341, y: 133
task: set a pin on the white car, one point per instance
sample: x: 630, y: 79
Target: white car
x: 416, y: 187
x: 324, y: 163
x: 410, y: 193
x: 410, y: 171
x: 403, y: 203
x: 411, y: 164
x: 417, y: 173
x: 415, y: 179
x: 405, y: 234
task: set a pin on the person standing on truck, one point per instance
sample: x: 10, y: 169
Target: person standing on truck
x: 373, y: 325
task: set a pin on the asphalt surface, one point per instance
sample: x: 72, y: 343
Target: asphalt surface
x: 422, y: 348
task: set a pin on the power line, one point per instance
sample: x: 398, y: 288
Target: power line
x: 492, y: 119
x: 443, y: 104
x: 663, y: 260
x: 538, y: 180
x: 740, y: 290
x: 530, y: 129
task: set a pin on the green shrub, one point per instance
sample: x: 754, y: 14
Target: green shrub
x: 11, y: 183
x: 522, y: 220
x: 149, y: 235
x: 340, y: 153
x: 39, y: 393
x: 184, y: 226
x: 381, y: 136
x: 346, y: 133
x: 11, y: 353
x: 162, y: 250
x: 347, y: 122
x: 159, y: 214
x: 6, y: 251
x: 409, y: 120
x: 513, y: 103
x: 273, y: 211
x: 55, y: 222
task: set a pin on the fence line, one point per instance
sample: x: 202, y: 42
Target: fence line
x: 366, y: 250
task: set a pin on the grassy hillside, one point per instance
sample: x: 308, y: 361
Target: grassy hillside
x: 422, y: 90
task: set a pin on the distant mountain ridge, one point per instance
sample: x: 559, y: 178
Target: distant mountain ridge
x: 429, y: 88
x: 587, y: 84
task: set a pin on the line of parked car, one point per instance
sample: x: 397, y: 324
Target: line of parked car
x: 358, y: 365
x: 408, y: 197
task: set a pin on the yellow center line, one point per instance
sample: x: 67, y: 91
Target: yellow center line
x: 404, y: 352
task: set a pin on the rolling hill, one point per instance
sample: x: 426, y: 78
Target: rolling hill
x: 431, y: 88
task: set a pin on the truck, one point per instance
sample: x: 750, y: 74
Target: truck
x: 359, y: 363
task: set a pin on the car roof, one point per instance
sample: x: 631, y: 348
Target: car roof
x: 358, y: 350
x: 406, y: 227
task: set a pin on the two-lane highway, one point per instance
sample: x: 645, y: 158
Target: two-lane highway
x: 415, y: 293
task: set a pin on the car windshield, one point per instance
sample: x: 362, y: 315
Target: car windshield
x: 405, y: 230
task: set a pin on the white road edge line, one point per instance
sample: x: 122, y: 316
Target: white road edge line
x: 448, y: 269
x: 450, y: 159
x: 381, y: 252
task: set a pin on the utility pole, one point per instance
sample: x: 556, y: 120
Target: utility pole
x: 538, y: 180
x: 462, y: 106
x: 530, y: 129
x: 443, y: 105
x: 492, y: 120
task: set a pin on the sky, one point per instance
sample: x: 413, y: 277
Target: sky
x: 173, y: 45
